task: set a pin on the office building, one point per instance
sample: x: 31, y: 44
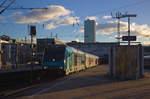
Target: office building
x: 89, y: 31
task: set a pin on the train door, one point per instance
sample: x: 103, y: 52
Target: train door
x: 87, y: 61
x: 75, y: 61
x: 67, y: 61
x: 84, y: 60
x: 69, y: 58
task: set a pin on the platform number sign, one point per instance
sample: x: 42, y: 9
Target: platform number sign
x: 129, y: 38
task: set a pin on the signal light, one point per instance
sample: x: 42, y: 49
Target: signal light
x: 33, y: 30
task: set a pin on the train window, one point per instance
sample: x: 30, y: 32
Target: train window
x: 75, y: 59
x: 54, y: 53
x: 69, y: 54
x: 78, y: 59
x: 83, y: 59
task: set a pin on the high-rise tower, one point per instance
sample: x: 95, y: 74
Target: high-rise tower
x: 89, y: 31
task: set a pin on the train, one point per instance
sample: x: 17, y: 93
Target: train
x: 66, y: 60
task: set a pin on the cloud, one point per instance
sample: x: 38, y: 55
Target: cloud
x: 43, y: 15
x: 92, y: 17
x: 146, y: 42
x: 16, y: 15
x: 141, y: 30
x: 50, y: 26
x: 68, y: 20
x: 111, y: 27
x: 106, y: 17
x: 56, y: 16
x: 78, y: 40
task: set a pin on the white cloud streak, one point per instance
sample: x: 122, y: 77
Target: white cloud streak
x: 92, y: 18
x: 56, y: 16
x: 111, y: 27
x: 106, y: 17
x: 62, y: 22
x: 146, y: 42
x: 81, y: 30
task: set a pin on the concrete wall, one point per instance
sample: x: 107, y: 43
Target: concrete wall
x: 126, y: 63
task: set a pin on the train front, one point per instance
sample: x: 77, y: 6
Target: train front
x: 54, y: 58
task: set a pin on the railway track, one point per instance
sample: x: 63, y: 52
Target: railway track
x: 40, y: 88
x: 36, y: 86
x: 20, y: 82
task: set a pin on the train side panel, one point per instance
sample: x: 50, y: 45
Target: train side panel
x: 69, y: 56
x: 75, y: 60
x: 91, y: 60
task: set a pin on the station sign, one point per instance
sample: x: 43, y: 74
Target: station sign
x: 129, y: 38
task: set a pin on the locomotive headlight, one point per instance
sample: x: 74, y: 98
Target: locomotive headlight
x: 61, y: 67
x: 64, y: 61
x: 53, y: 59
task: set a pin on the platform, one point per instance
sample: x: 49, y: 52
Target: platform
x: 92, y: 84
x: 20, y: 69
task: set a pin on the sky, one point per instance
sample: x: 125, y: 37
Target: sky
x: 66, y: 19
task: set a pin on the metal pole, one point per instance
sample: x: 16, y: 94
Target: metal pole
x: 31, y: 59
x: 129, y: 30
x: 129, y: 67
x: 56, y: 35
x: 118, y: 31
x: 51, y: 34
x: 17, y: 56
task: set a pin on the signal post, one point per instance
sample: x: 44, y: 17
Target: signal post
x: 32, y: 34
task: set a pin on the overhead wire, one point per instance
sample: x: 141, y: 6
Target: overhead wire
x: 3, y: 2
x: 11, y: 2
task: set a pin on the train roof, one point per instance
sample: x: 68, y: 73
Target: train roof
x: 91, y: 55
x: 72, y: 49
x: 79, y: 51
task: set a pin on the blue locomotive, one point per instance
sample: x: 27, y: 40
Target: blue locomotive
x: 67, y: 60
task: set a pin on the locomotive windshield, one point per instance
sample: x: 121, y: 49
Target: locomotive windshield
x: 54, y: 53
